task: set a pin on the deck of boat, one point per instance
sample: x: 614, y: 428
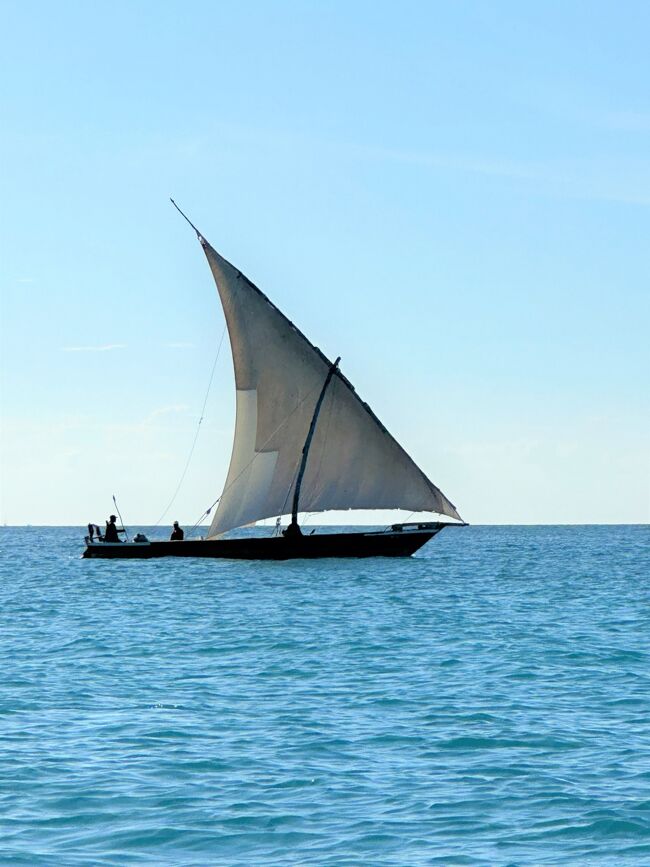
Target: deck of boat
x: 391, y: 543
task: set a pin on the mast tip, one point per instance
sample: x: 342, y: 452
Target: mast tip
x: 185, y: 217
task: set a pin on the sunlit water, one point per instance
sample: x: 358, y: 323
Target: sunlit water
x: 485, y: 702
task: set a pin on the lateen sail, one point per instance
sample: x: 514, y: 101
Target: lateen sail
x: 354, y: 463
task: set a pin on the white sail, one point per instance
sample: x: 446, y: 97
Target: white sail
x: 354, y: 463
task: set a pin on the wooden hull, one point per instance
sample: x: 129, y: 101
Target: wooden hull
x: 373, y: 544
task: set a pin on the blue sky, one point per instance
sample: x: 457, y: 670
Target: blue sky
x: 454, y: 197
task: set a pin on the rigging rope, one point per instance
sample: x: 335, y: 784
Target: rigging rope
x: 198, y: 430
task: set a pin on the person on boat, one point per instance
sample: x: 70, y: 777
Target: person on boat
x: 177, y: 533
x: 93, y: 530
x: 112, y: 530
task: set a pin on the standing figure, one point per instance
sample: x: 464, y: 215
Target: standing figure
x: 177, y: 533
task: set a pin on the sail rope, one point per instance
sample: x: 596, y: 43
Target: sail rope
x: 297, y: 470
x: 325, y: 438
x: 257, y: 453
x: 291, y: 486
x: 389, y: 527
x: 198, y: 430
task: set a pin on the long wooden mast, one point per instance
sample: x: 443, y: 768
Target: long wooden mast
x: 293, y: 527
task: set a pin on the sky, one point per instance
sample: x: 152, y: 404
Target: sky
x: 453, y: 197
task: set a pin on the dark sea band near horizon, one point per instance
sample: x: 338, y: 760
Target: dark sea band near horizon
x: 486, y: 702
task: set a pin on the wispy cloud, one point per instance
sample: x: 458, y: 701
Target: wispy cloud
x: 107, y: 347
x: 164, y: 410
x: 593, y: 179
x: 25, y: 280
x: 624, y: 121
x: 472, y: 164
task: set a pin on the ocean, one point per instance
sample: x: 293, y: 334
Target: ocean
x: 486, y: 702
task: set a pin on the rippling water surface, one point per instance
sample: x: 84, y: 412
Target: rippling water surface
x: 485, y: 702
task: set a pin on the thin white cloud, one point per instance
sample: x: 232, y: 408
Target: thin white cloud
x: 624, y: 121
x: 593, y: 180
x: 476, y: 165
x: 165, y: 410
x: 107, y: 347
x: 25, y: 280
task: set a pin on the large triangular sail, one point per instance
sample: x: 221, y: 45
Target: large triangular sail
x: 354, y: 463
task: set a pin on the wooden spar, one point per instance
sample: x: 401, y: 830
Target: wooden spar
x: 293, y: 527
x: 185, y: 217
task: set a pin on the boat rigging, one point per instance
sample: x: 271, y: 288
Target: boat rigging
x: 283, y: 384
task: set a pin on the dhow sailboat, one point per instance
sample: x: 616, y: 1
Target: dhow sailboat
x: 304, y: 442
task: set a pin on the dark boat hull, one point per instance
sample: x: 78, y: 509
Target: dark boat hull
x: 373, y: 544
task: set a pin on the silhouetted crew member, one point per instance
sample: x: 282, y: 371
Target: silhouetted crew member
x: 292, y: 531
x: 110, y: 535
x: 177, y: 533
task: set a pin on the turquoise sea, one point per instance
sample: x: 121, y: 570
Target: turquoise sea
x: 486, y: 702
